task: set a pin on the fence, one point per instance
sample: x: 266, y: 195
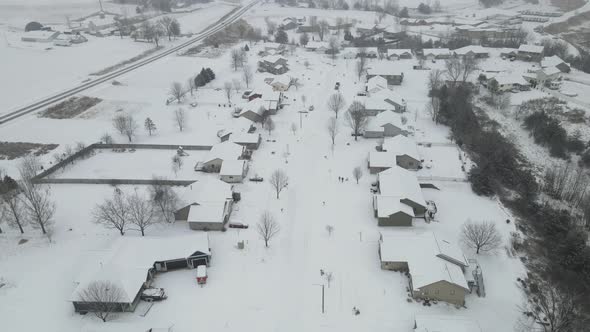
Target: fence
x: 42, y: 177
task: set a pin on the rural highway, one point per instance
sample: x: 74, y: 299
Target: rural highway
x: 108, y: 77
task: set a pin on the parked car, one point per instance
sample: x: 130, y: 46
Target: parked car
x: 256, y: 179
x: 237, y: 224
x: 337, y: 86
x: 246, y: 94
x: 153, y: 294
x: 194, y: 104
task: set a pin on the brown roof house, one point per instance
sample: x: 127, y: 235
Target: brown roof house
x: 434, y: 266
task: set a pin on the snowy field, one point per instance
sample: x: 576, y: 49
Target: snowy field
x: 140, y: 164
x: 254, y: 289
x: 32, y: 71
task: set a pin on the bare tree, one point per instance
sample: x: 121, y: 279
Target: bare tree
x: 279, y: 180
x: 150, y: 126
x: 13, y: 210
x: 454, y: 69
x: 177, y: 163
x: 237, y: 58
x: 166, y: 23
x: 303, y: 99
x: 247, y: 75
x: 126, y: 125
x: 106, y: 138
x: 267, y: 227
x: 227, y: 87
x: 271, y: 26
x: 329, y: 277
x: 333, y: 46
x: 433, y: 108
x: 37, y: 200
x: 293, y: 128
x: 164, y: 199
x: 357, y: 173
x: 180, y: 119
x: 549, y: 309
x: 119, y: 123
x: 322, y: 29
x: 112, y: 213
x: 482, y: 236
x: 102, y: 298
x: 177, y: 91
x: 356, y: 118
x: 332, y: 128
x: 468, y: 66
x: 329, y: 229
x: 237, y: 84
x: 294, y: 81
x: 361, y: 66
x: 336, y: 103
x: 269, y: 125
x: 141, y: 212
x: 306, y: 64
x: 435, y: 79
x: 190, y: 84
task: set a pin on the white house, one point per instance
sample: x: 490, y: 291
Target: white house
x: 402, y: 183
x: 474, y: 51
x: 387, y: 71
x: 376, y: 84
x: 405, y: 151
x: 386, y: 124
x: 396, y: 54
x: 508, y: 82
x: 233, y: 171
x: 436, y: 53
x: 218, y: 154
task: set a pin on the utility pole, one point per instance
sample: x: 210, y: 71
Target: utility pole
x: 100, y: 3
x: 323, y: 296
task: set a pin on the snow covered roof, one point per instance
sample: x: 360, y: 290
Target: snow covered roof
x: 550, y: 71
x: 436, y: 51
x: 245, y: 138
x: 282, y: 79
x: 551, y: 61
x: 233, y: 167
x: 381, y: 159
x: 476, y: 49
x: 225, y: 151
x: 397, y: 181
x: 257, y: 106
x: 316, y: 44
x: 206, y: 213
x: 376, y: 83
x: 446, y: 323
x: 127, y: 262
x: 40, y: 34
x: 401, y: 145
x: 530, y: 48
x: 387, y: 69
x: 398, y: 52
x: 365, y: 50
x: 377, y: 122
x: 508, y: 79
x: 207, y: 189
x: 388, y: 205
x: 269, y: 45
x: 389, y: 96
x: 273, y: 58
x: 365, y: 26
x: 420, y: 249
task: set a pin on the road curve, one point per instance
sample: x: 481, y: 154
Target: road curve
x: 107, y: 77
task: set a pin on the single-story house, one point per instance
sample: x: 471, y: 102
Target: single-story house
x: 380, y: 161
x: 240, y: 125
x: 274, y: 64
x: 530, y: 52
x: 436, y: 53
x: 208, y: 216
x: 40, y: 36
x: 557, y: 62
x: 317, y: 46
x: 405, y: 151
x: 357, y: 52
x: 280, y: 83
x: 365, y: 28
x: 267, y: 92
x: 390, y: 211
x: 131, y: 264
x: 396, y: 54
x: 308, y: 28
x: 402, y: 183
x: 414, y: 21
x: 384, y: 100
x: 509, y: 82
x: 542, y: 76
x: 254, y: 110
x: 206, y: 190
x: 472, y: 51
x: 435, y: 267
x: 508, y: 52
x: 376, y: 84
x: 233, y: 171
x: 249, y: 140
x: 445, y: 323
x: 218, y: 154
x: 387, y: 71
x: 289, y: 23
x: 385, y: 124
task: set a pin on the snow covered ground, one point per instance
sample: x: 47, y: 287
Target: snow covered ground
x: 257, y: 288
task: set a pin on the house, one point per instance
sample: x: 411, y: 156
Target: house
x: 272, y: 97
x: 233, y: 171
x: 472, y: 51
x: 557, y: 62
x: 317, y: 46
x: 274, y: 64
x: 208, y: 204
x: 542, y: 76
x: 289, y: 23
x: 446, y: 323
x: 131, y: 264
x: 280, y: 83
x: 357, y: 52
x: 380, y: 161
x: 405, y: 151
x: 436, y: 53
x: 40, y: 36
x: 509, y: 82
x: 376, y: 84
x: 250, y: 141
x: 384, y: 100
x: 241, y: 125
x: 435, y: 267
x: 218, y: 154
x: 530, y: 52
x: 274, y: 47
x: 508, y: 52
x: 254, y: 110
x: 387, y: 71
x: 308, y: 28
x: 390, y: 211
x: 386, y: 124
x: 365, y: 29
x: 397, y: 54
x: 399, y: 182
x: 414, y: 21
